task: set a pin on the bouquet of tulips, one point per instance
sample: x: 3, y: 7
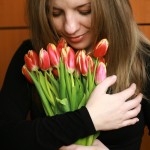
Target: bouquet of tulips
x: 64, y: 78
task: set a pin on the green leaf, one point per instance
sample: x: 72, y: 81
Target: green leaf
x: 53, y: 81
x: 63, y: 105
x: 74, y: 104
x: 44, y: 84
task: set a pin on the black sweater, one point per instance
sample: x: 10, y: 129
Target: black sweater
x: 50, y: 133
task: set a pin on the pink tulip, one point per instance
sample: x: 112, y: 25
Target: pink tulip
x: 101, y: 48
x: 53, y: 54
x: 31, y: 60
x: 26, y: 74
x: 100, y: 73
x: 61, y: 44
x: 68, y: 57
x: 44, y: 60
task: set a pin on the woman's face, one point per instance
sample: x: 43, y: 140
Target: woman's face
x: 72, y: 20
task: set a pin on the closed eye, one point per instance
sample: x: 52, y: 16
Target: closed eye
x: 85, y: 12
x: 57, y: 12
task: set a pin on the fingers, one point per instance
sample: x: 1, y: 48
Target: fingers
x: 130, y: 122
x: 133, y: 109
x: 103, y: 86
x: 127, y: 93
x: 99, y: 145
x: 70, y: 147
x: 133, y: 102
x: 133, y: 113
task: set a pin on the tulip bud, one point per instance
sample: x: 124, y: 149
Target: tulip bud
x: 82, y: 62
x: 68, y: 57
x: 61, y: 44
x: 26, y: 74
x: 44, y: 60
x: 101, y: 48
x: 90, y: 63
x: 31, y: 60
x: 100, y: 73
x: 53, y: 54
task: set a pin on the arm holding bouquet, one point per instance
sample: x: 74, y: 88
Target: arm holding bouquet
x: 77, y: 75
x: 13, y: 126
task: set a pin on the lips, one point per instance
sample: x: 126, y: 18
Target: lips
x: 76, y: 39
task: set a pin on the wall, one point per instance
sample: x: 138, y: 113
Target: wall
x: 13, y: 30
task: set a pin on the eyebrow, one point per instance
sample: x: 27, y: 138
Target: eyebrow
x: 89, y: 3
x: 80, y: 6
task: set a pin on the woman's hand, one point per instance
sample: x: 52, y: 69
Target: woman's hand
x: 113, y: 111
x: 97, y: 145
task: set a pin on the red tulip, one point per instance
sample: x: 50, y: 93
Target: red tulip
x: 53, y: 54
x: 90, y: 62
x: 100, y: 73
x: 44, y: 60
x: 26, y: 74
x: 68, y: 57
x: 101, y: 48
x: 55, y: 72
x: 77, y: 68
x: 102, y: 59
x: 31, y: 60
x: 61, y: 44
x: 81, y: 62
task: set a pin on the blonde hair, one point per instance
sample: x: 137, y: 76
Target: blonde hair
x: 112, y: 19
x: 42, y: 31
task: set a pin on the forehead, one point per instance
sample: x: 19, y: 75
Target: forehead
x: 69, y: 3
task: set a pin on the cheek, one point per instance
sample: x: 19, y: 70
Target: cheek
x: 86, y: 22
x: 89, y: 23
x: 58, y: 25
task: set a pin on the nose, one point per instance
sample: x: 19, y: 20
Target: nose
x: 71, y: 24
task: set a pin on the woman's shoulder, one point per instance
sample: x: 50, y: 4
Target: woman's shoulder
x: 23, y: 49
x: 26, y: 45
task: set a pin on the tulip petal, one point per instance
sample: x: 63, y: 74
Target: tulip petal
x: 101, y: 48
x: 44, y: 60
x: 100, y: 73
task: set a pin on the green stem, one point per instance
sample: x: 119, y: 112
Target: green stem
x: 42, y: 95
x: 62, y: 81
x: 47, y: 90
x: 68, y: 85
x: 53, y: 80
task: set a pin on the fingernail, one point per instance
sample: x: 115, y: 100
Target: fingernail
x: 133, y: 85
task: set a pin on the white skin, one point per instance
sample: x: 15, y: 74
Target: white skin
x: 72, y: 20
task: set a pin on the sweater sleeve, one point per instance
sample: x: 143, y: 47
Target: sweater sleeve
x: 46, y: 133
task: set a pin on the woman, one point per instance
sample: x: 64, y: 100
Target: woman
x: 127, y: 57
x: 82, y: 23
